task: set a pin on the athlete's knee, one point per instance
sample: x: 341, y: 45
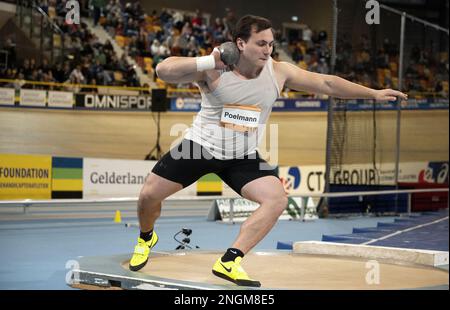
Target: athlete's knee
x: 278, y: 202
x: 148, y: 205
x: 282, y: 202
x: 148, y: 197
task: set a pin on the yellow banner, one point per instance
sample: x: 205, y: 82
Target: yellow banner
x: 209, y: 187
x: 67, y: 185
x: 25, y: 176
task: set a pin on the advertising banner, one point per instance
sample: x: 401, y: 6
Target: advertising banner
x: 310, y: 105
x: 25, y: 177
x: 299, y: 180
x: 113, y: 102
x: 33, y: 98
x: 7, y: 96
x: 60, y: 99
x: 115, y: 178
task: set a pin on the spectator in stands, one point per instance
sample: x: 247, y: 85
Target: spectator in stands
x: 302, y: 63
x: 100, y: 55
x: 132, y: 47
x: 154, y: 49
x: 189, y: 36
x: 66, y: 71
x: 229, y: 23
x: 132, y: 28
x: 165, y: 16
x: 219, y: 34
x: 58, y: 73
x: 76, y: 76
x: 186, y: 31
x: 20, y: 81
x: 93, y: 81
x: 196, y: 20
x: 94, y: 70
x: 128, y: 12
x: 35, y: 76
x: 147, y: 89
x: 192, y: 47
x: 33, y: 65
x: 297, y: 53
x: 105, y: 76
x: 323, y: 66
x: 172, y: 41
x: 25, y: 69
x: 47, y: 76
x: 123, y: 63
x: 44, y: 67
x: 307, y: 36
x: 113, y: 9
x: 178, y: 19
x: 137, y: 10
x: 164, y: 50
x: 207, y: 41
x: 142, y: 46
x: 108, y: 46
x: 217, y: 23
x: 97, y: 9
x: 131, y: 77
x: 120, y: 29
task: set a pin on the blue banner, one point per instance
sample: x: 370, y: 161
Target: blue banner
x: 185, y: 104
x: 300, y: 105
x: 305, y: 105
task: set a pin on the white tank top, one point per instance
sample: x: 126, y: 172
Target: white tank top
x: 225, y: 143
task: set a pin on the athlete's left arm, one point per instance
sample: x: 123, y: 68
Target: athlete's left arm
x: 334, y: 86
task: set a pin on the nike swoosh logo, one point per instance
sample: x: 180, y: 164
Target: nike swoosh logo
x: 227, y: 269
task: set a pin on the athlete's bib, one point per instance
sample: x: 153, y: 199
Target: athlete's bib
x: 240, y: 118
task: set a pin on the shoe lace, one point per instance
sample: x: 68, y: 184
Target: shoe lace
x: 140, y: 248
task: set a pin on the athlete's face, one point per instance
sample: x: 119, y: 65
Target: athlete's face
x: 258, y: 48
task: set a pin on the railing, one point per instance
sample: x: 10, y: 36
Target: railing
x: 26, y: 204
x: 179, y: 91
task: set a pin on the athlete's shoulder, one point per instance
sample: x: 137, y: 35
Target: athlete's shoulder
x: 281, y: 67
x: 279, y: 63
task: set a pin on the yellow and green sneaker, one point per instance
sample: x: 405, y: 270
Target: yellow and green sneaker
x: 232, y: 271
x: 141, y: 252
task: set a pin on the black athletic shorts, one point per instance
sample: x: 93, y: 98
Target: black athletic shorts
x: 234, y: 172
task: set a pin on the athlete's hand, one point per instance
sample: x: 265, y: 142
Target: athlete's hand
x: 389, y: 95
x: 220, y: 65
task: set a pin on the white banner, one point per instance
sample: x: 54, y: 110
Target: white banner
x: 7, y: 96
x: 60, y: 99
x: 110, y: 178
x: 32, y: 98
x: 113, y: 178
x: 303, y: 179
x: 410, y: 172
x: 311, y: 179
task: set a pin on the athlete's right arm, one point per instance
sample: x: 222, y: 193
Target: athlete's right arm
x: 188, y: 69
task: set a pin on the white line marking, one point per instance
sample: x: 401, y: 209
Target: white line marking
x: 405, y: 230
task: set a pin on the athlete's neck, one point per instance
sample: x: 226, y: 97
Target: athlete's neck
x: 247, y: 70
